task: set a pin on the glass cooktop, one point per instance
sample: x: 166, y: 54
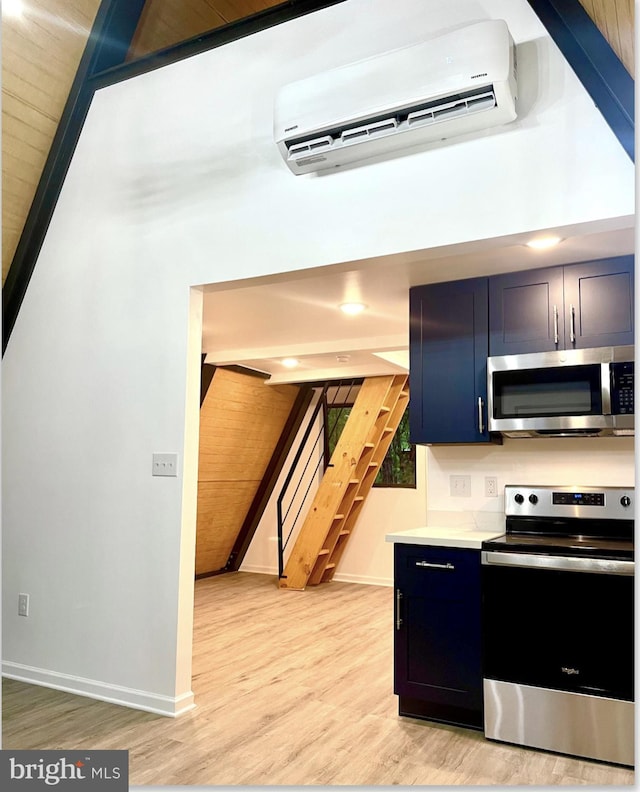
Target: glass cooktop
x: 580, y: 546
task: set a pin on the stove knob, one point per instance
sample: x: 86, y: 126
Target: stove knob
x: 533, y: 499
x: 519, y: 498
x: 625, y: 501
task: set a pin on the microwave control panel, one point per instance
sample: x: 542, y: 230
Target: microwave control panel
x: 622, y: 388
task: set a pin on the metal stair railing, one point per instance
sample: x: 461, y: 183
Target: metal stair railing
x: 307, y: 468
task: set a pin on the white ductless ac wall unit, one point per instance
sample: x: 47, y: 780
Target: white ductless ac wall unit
x: 460, y: 82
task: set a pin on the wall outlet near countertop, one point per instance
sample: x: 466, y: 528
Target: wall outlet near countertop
x: 490, y: 487
x: 460, y: 486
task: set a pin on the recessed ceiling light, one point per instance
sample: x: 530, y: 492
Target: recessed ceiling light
x: 343, y: 358
x: 542, y: 243
x: 352, y: 308
x: 290, y: 362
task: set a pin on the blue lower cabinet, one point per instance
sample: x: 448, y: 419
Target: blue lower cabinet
x: 437, y: 647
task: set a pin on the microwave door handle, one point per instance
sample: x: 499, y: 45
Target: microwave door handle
x: 480, y: 419
x: 556, y: 337
x: 607, y: 386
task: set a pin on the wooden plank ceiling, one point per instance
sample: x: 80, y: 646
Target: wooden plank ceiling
x: 41, y: 51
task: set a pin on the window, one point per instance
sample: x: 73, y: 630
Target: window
x: 398, y: 468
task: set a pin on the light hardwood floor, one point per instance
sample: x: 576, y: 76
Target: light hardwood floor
x: 291, y: 688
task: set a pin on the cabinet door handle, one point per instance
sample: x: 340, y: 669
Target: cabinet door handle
x: 480, y: 420
x: 398, y: 619
x: 556, y: 337
x: 572, y: 320
x: 429, y: 564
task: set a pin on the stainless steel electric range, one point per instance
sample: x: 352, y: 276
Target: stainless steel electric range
x: 558, y: 622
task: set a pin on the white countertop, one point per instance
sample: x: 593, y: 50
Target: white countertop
x: 450, y: 536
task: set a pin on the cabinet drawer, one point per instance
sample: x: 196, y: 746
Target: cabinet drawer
x: 443, y: 570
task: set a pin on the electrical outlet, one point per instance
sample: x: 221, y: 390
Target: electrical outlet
x: 23, y: 604
x: 164, y: 465
x: 460, y: 486
x: 490, y: 487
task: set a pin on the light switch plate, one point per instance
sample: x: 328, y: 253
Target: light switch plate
x: 165, y: 464
x: 460, y: 486
x: 23, y: 604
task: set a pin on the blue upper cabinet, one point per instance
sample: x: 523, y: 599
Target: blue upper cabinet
x: 598, y: 301
x: 526, y: 311
x: 449, y: 344
x: 572, y: 307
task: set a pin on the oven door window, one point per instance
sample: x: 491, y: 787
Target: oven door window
x: 560, y: 630
x: 546, y: 392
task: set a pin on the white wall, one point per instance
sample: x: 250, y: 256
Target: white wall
x: 597, y: 462
x: 176, y: 182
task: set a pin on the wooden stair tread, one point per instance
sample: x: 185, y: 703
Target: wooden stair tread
x: 385, y: 409
x: 338, y: 517
x: 324, y: 551
x: 388, y: 429
x: 359, y: 498
x: 354, y: 481
x: 369, y: 445
x: 344, y: 532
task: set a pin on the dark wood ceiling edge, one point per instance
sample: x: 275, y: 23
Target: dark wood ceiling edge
x: 594, y: 61
x: 270, y: 478
x: 108, y: 42
x: 212, y: 39
x: 102, y: 64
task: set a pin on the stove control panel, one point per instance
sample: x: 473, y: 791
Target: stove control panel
x: 584, y: 502
x: 578, y: 498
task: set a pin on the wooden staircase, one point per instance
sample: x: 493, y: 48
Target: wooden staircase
x: 348, y: 479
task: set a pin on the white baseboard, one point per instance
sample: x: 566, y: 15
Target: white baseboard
x: 259, y: 569
x: 169, y: 706
x: 343, y: 577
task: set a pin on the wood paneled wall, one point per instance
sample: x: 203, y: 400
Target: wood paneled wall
x: 41, y: 51
x: 615, y: 20
x: 241, y: 420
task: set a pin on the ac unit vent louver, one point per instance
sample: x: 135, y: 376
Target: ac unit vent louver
x: 434, y: 112
x: 399, y: 99
x: 388, y: 125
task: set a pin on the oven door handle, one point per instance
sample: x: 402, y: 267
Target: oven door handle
x: 602, y: 566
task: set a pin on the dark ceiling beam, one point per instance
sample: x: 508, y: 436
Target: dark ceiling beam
x: 217, y: 37
x: 596, y: 64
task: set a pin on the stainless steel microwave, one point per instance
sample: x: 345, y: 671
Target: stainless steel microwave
x: 577, y: 392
